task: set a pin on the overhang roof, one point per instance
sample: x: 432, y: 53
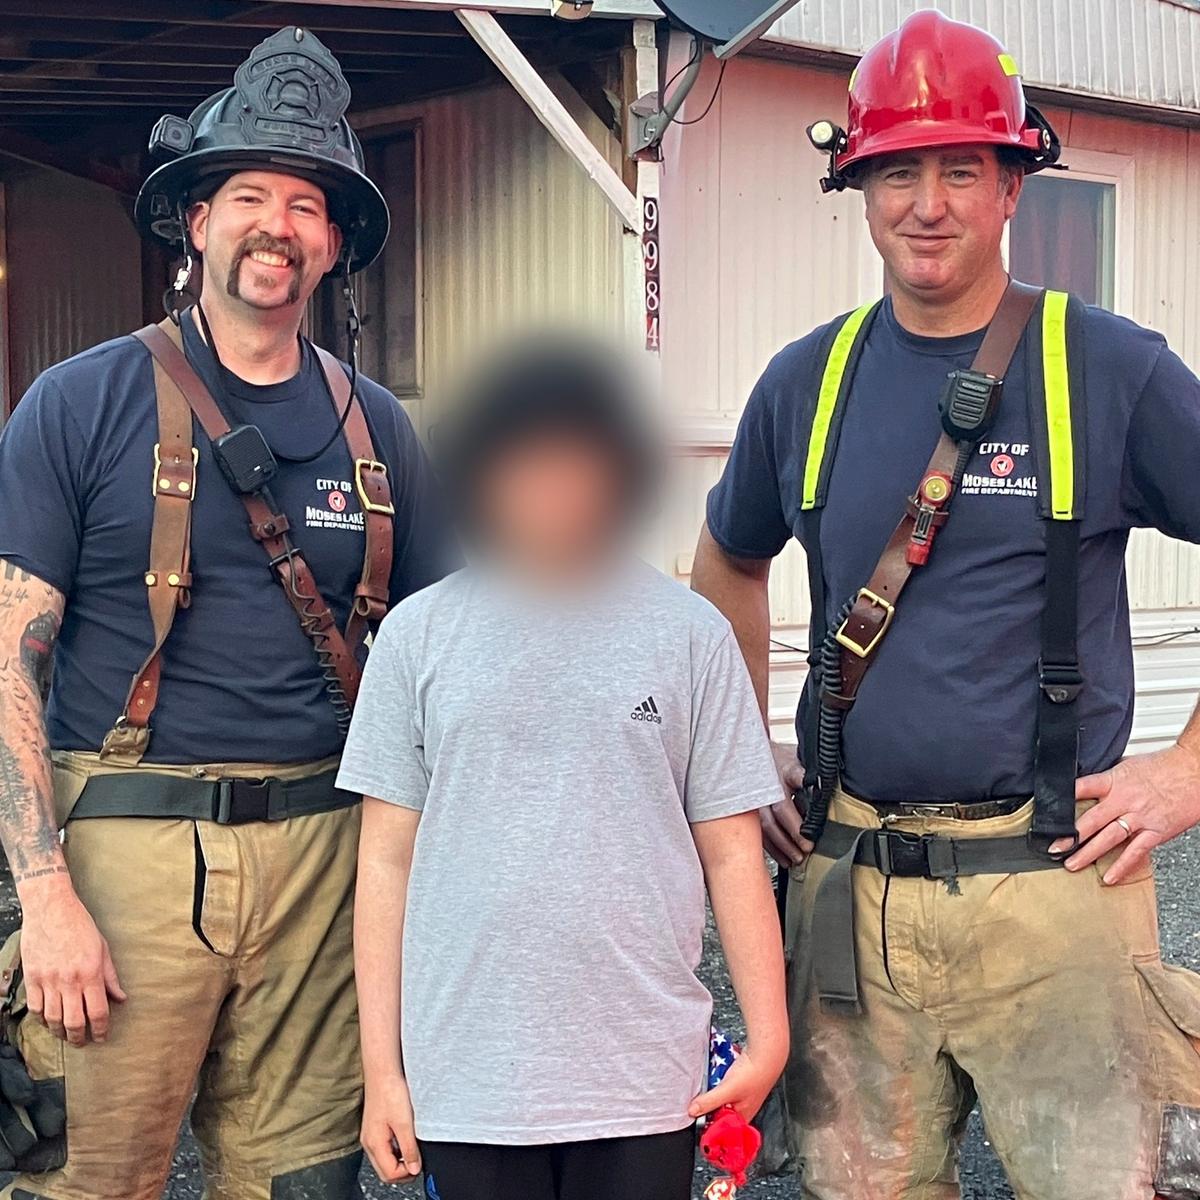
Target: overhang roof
x: 90, y: 77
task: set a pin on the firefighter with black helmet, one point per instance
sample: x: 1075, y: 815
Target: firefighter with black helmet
x: 199, y: 525
x: 971, y: 909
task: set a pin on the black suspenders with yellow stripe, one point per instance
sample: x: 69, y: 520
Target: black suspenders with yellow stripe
x: 843, y: 345
x: 1056, y: 392
x: 1055, y: 388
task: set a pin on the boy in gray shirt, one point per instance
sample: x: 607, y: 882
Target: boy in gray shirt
x: 559, y: 748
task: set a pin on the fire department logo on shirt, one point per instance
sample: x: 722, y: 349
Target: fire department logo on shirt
x: 329, y: 508
x: 1001, y: 469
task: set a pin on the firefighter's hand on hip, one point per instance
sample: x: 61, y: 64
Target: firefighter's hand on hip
x: 69, y: 972
x: 1142, y: 802
x: 781, y: 822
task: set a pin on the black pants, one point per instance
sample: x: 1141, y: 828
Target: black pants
x: 658, y: 1167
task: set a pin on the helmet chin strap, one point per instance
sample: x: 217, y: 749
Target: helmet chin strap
x: 174, y: 296
x: 353, y: 322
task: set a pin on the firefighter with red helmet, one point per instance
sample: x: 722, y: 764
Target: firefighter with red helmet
x: 971, y: 911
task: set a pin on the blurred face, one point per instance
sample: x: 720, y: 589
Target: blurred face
x: 266, y: 239
x: 937, y: 217
x: 551, y: 504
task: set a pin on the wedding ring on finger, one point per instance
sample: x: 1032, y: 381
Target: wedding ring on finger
x: 1124, y: 824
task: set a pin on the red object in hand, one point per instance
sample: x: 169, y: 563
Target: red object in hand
x: 731, y: 1143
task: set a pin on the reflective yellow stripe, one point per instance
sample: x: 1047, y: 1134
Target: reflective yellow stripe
x: 1008, y: 65
x: 831, y: 383
x: 1058, y: 406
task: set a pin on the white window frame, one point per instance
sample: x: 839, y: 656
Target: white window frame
x: 1097, y: 166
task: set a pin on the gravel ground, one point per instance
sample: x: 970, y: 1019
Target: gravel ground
x: 983, y: 1178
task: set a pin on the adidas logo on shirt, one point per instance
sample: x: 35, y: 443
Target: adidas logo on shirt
x: 646, y: 711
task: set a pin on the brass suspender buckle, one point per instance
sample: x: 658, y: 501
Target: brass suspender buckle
x: 889, y: 611
x: 362, y: 466
x: 163, y: 486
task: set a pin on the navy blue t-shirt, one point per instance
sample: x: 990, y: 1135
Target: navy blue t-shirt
x: 240, y: 679
x: 948, y: 710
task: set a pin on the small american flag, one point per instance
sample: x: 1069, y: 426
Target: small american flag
x: 722, y: 1054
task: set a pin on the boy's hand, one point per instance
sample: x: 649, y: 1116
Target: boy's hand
x: 387, y: 1129
x: 746, y: 1085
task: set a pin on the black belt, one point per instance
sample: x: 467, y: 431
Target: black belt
x: 895, y: 853
x: 225, y: 801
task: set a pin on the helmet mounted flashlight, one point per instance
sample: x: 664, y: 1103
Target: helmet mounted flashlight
x: 829, y: 139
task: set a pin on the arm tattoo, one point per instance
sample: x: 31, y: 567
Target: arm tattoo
x: 37, y: 651
x: 30, y: 618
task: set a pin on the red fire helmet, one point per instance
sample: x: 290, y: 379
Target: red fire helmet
x: 934, y: 82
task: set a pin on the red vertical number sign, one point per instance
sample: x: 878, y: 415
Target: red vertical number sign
x: 650, y: 254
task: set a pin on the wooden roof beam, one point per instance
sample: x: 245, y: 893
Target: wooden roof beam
x: 25, y: 85
x: 31, y: 39
x: 109, y: 26
x: 550, y: 110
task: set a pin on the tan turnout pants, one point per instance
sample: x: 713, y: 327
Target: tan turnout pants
x: 234, y: 946
x: 1042, y: 992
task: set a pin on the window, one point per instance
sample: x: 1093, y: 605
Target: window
x: 1064, y: 236
x: 388, y: 292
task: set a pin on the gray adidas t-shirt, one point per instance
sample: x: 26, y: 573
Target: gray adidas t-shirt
x: 558, y: 753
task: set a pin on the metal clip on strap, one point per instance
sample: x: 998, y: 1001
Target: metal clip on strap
x: 125, y: 744
x: 1061, y: 683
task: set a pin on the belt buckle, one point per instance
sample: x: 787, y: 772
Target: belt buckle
x: 904, y: 855
x: 242, y: 801
x: 889, y: 611
x: 915, y: 855
x: 933, y: 811
x: 361, y: 466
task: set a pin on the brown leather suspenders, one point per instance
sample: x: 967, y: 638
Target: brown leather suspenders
x: 375, y: 497
x: 180, y: 393
x: 908, y: 548
x: 168, y: 578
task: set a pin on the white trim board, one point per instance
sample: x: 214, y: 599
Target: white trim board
x: 626, y: 9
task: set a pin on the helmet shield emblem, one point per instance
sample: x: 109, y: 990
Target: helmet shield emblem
x: 291, y: 91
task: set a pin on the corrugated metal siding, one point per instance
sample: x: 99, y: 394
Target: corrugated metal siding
x: 1163, y: 266
x: 1146, y: 51
x: 514, y: 235
x: 754, y: 255
x: 56, y: 309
